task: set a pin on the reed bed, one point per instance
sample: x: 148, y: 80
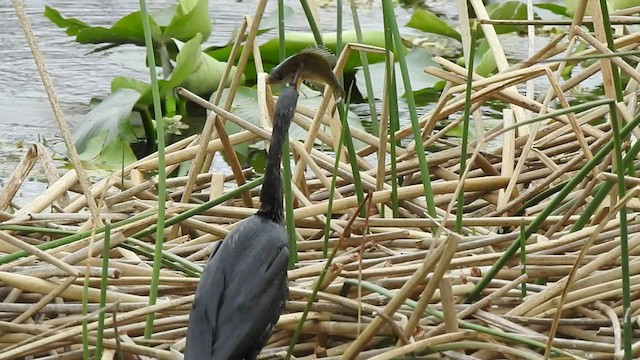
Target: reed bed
x: 544, y: 261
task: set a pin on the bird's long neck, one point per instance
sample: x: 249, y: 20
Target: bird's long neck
x: 271, y: 193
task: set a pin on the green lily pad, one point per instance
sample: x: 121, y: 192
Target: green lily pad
x: 427, y: 21
x: 116, y: 155
x: 188, y: 61
x: 124, y: 82
x: 191, y: 18
x: 108, y: 121
x: 163, y: 17
x: 72, y: 26
x: 555, y: 9
x: 207, y: 77
x: 510, y: 10
x: 127, y: 30
x: 417, y: 60
x: 623, y: 4
x: 296, y: 41
x: 93, y: 146
x: 484, y: 62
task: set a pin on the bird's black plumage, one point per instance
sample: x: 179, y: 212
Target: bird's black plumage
x: 243, y: 288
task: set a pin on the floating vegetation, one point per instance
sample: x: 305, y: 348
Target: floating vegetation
x: 541, y: 261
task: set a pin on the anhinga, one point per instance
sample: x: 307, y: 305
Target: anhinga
x: 243, y: 288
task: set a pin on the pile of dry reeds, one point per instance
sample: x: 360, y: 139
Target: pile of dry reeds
x: 397, y: 285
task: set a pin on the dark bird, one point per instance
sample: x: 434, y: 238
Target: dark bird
x: 313, y: 65
x: 243, y: 288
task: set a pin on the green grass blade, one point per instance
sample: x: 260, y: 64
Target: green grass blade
x: 157, y: 110
x: 351, y: 152
x: 394, y: 114
x: 465, y: 125
x: 392, y: 25
x: 523, y: 259
x: 627, y: 334
x: 332, y: 190
x: 103, y: 287
x: 282, y: 52
x: 286, y: 158
x: 366, y: 72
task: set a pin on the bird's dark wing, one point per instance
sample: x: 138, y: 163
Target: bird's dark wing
x: 255, y: 295
x: 279, y: 289
x: 204, y: 311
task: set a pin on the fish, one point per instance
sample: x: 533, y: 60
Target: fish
x: 313, y: 64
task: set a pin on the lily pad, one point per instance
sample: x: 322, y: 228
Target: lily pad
x: 510, y: 10
x: 105, y: 123
x: 191, y: 18
x: 114, y: 156
x: 127, y: 30
x: 72, y: 26
x: 427, y: 21
x: 417, y: 61
x: 188, y: 61
x: 555, y: 9
x: 124, y: 82
x: 296, y: 41
x: 623, y: 4
x: 208, y: 76
x: 485, y: 62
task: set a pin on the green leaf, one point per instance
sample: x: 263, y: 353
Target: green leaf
x: 72, y: 26
x: 312, y: 100
x: 427, y: 21
x: 485, y: 63
x: 623, y: 4
x: 112, y: 157
x: 554, y: 8
x: 417, y: 61
x: 123, y: 82
x: 188, y: 61
x: 127, y: 30
x: 93, y: 146
x: 510, y: 10
x: 164, y: 16
x: 192, y: 17
x: 206, y: 79
x: 296, y: 41
x: 106, y: 122
x: 108, y: 157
